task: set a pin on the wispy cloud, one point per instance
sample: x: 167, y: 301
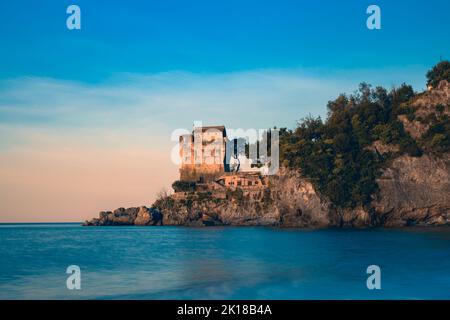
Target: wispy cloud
x: 161, y: 102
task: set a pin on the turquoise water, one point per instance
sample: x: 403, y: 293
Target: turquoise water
x: 221, y: 263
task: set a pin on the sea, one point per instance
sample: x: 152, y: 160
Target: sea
x: 222, y: 263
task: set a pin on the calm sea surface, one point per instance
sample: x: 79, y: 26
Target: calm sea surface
x: 221, y: 263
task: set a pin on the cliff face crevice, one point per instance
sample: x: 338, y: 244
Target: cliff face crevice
x: 414, y: 190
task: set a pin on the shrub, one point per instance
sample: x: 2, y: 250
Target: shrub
x: 439, y: 72
x: 183, y: 186
x: 437, y: 138
x: 334, y: 154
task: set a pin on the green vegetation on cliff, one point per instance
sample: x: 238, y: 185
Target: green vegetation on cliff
x: 437, y: 137
x: 183, y: 186
x: 336, y: 154
x: 439, y: 72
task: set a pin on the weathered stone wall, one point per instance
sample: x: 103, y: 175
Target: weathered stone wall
x: 205, y: 172
x: 202, y: 154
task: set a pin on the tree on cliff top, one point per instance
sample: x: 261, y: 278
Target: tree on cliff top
x: 439, y: 72
x: 338, y: 154
x: 335, y: 154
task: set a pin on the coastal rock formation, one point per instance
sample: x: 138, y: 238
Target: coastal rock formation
x: 140, y: 216
x: 412, y: 191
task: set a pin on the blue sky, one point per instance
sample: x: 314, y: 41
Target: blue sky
x: 87, y: 116
x: 216, y: 36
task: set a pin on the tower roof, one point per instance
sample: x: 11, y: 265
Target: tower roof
x: 219, y: 128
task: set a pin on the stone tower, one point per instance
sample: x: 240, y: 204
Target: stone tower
x: 203, y: 154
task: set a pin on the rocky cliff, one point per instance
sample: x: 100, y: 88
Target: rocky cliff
x: 139, y: 216
x: 412, y: 191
